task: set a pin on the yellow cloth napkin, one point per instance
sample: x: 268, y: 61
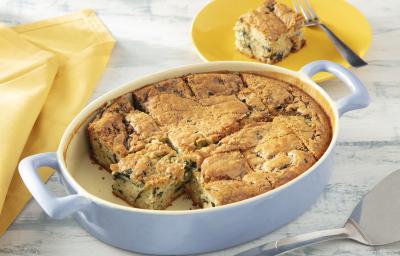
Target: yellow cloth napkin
x: 48, y: 70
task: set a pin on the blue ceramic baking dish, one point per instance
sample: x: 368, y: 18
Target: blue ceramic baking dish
x: 177, y: 232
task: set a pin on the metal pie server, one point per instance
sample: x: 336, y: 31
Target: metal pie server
x: 374, y: 221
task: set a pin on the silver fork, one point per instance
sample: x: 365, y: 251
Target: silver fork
x: 312, y: 20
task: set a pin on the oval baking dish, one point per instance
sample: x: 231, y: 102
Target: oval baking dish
x: 173, y: 232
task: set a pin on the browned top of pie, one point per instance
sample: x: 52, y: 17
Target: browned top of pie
x: 110, y: 126
x: 246, y: 133
x: 273, y: 19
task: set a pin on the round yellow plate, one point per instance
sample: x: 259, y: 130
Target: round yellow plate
x: 213, y: 37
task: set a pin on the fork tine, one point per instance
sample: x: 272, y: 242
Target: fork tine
x: 310, y: 10
x: 296, y: 8
x: 299, y: 5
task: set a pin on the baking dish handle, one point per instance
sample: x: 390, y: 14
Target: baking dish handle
x: 358, y: 98
x: 55, y: 207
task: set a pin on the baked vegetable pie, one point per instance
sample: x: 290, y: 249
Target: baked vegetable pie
x: 218, y: 137
x: 269, y: 33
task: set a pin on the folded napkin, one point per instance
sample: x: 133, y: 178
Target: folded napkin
x: 48, y: 70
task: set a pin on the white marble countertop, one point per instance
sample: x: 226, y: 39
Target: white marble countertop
x: 154, y: 35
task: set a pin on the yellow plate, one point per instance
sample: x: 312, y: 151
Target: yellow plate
x: 213, y: 37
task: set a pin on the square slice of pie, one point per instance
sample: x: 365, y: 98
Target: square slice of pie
x: 151, y: 178
x: 269, y: 33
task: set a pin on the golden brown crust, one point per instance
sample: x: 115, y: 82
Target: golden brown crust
x: 176, y: 86
x: 230, y: 191
x: 142, y: 124
x: 122, y: 105
x: 152, y: 165
x: 251, y: 134
x: 192, y: 125
x: 274, y: 94
x: 142, y: 129
x: 213, y: 84
x: 109, y: 130
x: 291, y: 19
x: 312, y: 132
x: 273, y: 19
x: 268, y: 23
x: 281, y: 158
x: 224, y: 166
x: 269, y: 33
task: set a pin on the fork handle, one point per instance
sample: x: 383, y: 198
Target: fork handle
x: 343, y: 49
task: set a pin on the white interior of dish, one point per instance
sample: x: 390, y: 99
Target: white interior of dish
x: 80, y: 169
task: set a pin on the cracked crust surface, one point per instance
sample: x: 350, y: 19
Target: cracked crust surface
x: 108, y: 132
x: 176, y: 86
x: 150, y: 178
x: 192, y: 125
x: 220, y: 137
x: 206, y: 85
